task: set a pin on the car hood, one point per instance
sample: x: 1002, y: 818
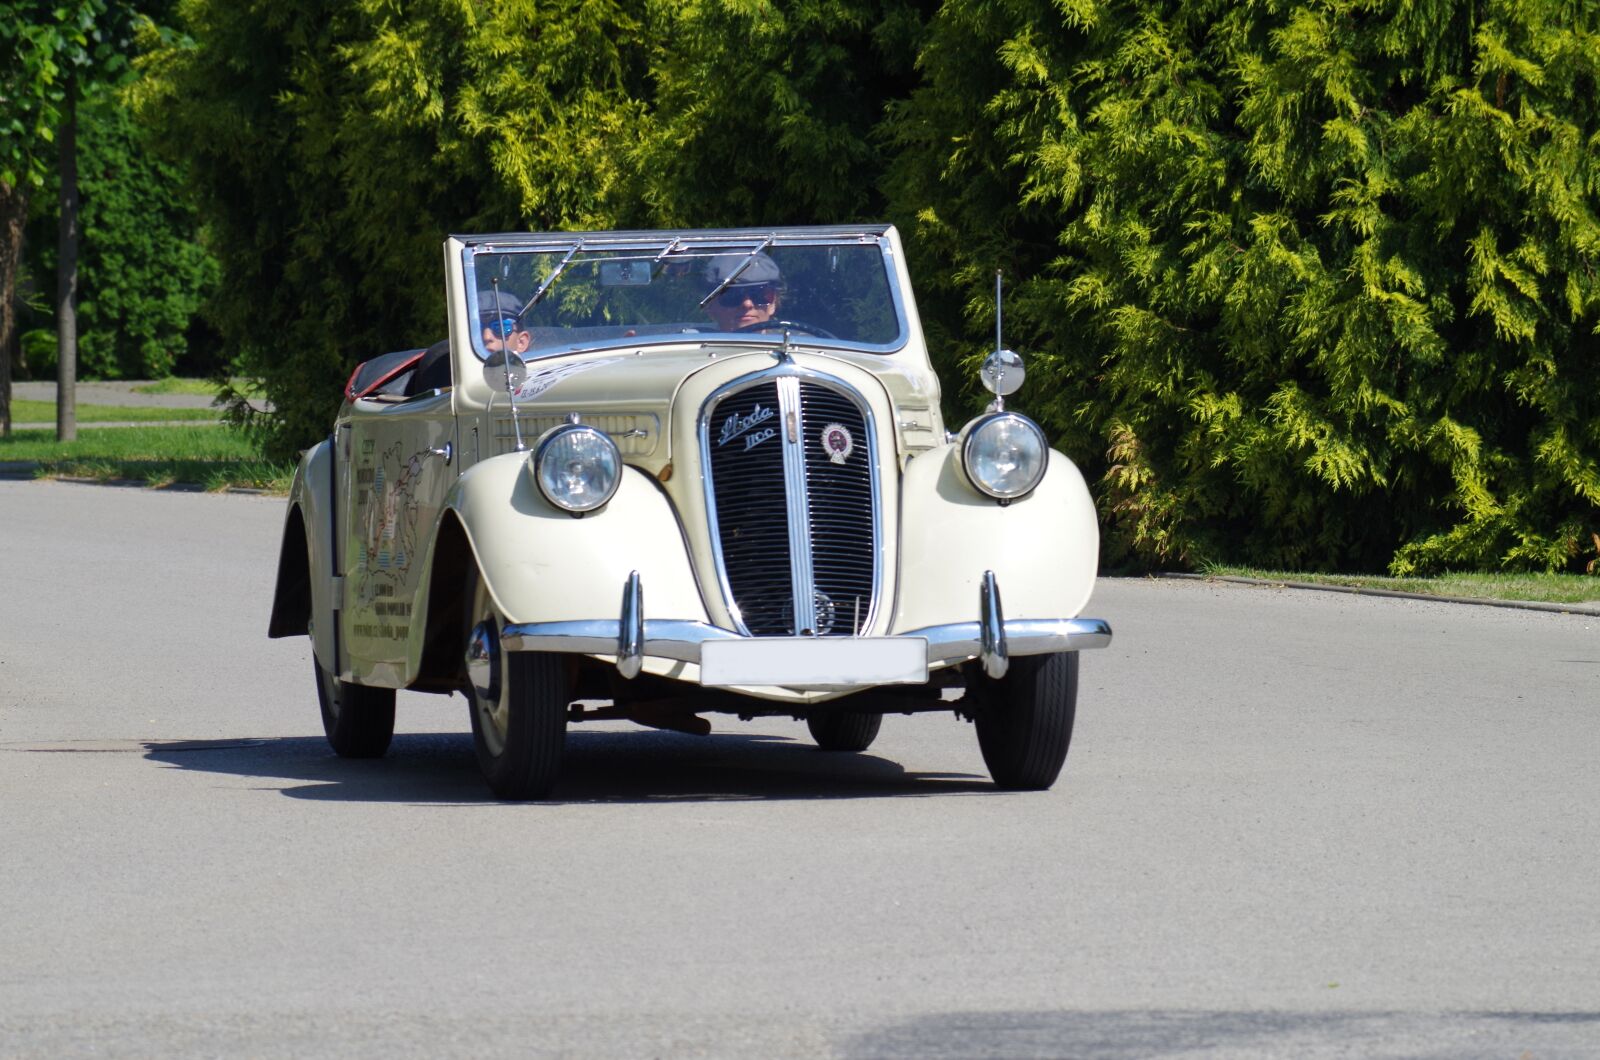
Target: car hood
x: 644, y: 398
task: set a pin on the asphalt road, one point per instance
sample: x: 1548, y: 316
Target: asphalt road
x: 1292, y: 824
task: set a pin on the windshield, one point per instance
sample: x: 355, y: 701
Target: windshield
x: 569, y: 295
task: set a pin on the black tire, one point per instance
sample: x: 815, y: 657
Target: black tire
x: 1025, y: 722
x: 520, y: 730
x: 841, y: 730
x: 359, y: 720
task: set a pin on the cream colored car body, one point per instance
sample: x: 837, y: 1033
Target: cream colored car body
x: 413, y: 496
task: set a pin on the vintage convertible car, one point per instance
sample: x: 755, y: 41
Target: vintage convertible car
x: 651, y: 475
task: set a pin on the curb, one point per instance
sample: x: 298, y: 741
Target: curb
x: 95, y: 425
x: 1397, y: 594
x: 29, y: 470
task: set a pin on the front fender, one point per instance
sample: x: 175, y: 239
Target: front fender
x: 303, y: 597
x: 1044, y: 549
x: 542, y: 564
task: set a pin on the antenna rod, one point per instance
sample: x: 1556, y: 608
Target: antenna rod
x: 505, y: 358
x: 997, y: 343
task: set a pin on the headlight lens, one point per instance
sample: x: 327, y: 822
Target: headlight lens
x: 577, y: 468
x: 1004, y: 455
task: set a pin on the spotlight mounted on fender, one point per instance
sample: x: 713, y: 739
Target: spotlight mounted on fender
x: 1003, y: 453
x: 1002, y: 372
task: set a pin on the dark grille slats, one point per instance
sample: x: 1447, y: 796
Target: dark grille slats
x: 752, y: 523
x: 839, y: 500
x: 748, y: 487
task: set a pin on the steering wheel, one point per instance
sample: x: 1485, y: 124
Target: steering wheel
x: 792, y: 325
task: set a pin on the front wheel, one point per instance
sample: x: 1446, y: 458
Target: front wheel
x: 1025, y: 720
x: 359, y: 720
x: 841, y: 730
x: 518, y: 702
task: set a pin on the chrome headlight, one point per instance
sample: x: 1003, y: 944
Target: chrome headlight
x: 577, y: 468
x: 1004, y: 455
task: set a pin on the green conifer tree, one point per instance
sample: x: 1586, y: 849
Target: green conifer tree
x: 332, y: 146
x: 763, y: 113
x: 1312, y: 283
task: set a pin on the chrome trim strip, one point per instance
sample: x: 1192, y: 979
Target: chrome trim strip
x: 662, y: 638
x: 960, y: 641
x: 802, y: 581
x: 677, y: 639
x: 630, y: 629
x: 992, y: 639
x: 880, y: 544
x: 710, y: 493
x: 680, y: 639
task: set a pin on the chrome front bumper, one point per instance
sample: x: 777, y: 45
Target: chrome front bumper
x: 631, y: 637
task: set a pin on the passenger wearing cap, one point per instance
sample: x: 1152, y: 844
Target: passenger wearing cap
x: 753, y: 296
x: 500, y: 316
x: 432, y: 371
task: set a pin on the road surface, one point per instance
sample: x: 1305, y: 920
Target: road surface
x: 1292, y: 824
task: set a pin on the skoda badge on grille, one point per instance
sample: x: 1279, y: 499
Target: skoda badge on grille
x: 736, y: 425
x: 837, y: 443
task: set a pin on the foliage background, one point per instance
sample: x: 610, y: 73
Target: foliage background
x: 43, y: 46
x: 1317, y: 278
x: 145, y: 272
x: 1303, y: 283
x: 332, y: 146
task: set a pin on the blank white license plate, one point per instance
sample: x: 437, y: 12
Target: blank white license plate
x: 814, y: 662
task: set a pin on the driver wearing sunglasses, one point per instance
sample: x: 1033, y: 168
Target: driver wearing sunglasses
x: 752, y: 299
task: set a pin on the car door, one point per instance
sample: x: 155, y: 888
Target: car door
x: 400, y: 456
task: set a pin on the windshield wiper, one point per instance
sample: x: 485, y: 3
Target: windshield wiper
x: 550, y: 279
x: 743, y: 265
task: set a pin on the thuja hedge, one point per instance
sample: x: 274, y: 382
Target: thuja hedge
x: 1304, y: 284
x: 1312, y: 284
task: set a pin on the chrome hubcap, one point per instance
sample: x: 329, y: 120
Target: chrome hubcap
x: 483, y: 673
x: 483, y: 660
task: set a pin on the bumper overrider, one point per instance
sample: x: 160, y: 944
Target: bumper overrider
x: 729, y: 659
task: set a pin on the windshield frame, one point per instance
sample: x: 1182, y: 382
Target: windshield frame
x: 656, y: 245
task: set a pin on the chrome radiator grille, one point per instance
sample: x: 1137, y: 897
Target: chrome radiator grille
x: 790, y: 470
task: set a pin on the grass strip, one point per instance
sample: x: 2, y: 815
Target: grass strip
x: 1539, y: 588
x: 176, y: 385
x: 213, y: 457
x: 24, y: 410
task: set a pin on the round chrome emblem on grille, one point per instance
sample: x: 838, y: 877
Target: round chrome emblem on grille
x: 837, y: 443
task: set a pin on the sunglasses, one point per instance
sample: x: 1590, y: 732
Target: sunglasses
x: 757, y: 293
x: 503, y: 328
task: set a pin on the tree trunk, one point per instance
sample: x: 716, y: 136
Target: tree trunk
x: 13, y: 221
x: 67, y: 272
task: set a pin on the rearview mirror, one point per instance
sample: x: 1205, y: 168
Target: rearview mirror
x: 624, y: 273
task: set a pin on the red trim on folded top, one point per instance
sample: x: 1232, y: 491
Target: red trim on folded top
x: 350, y: 384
